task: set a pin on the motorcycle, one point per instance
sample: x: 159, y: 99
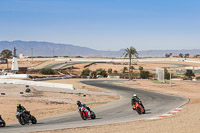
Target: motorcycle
x: 26, y: 118
x: 138, y: 106
x: 2, y: 122
x: 86, y: 114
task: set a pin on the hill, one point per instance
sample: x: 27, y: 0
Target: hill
x: 50, y: 49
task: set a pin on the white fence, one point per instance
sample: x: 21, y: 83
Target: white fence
x: 10, y: 75
x: 36, y: 83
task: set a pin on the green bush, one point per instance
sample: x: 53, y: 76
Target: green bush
x: 94, y: 74
x: 101, y: 72
x: 115, y: 72
x: 86, y: 72
x: 135, y: 75
x: 144, y: 74
x: 167, y: 74
x: 47, y: 71
x: 189, y: 74
x: 109, y: 70
x: 141, y: 68
x: 132, y: 67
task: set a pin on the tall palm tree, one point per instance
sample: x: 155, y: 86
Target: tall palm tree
x: 130, y: 52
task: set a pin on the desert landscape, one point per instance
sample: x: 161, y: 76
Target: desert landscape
x: 43, y: 104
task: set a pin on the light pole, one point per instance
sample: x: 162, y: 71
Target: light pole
x: 170, y: 74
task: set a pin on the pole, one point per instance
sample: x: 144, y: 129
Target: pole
x: 7, y: 65
x: 170, y: 77
x: 170, y: 74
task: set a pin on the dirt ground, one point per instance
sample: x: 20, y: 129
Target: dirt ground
x: 77, y: 85
x: 44, y: 104
x: 186, y: 121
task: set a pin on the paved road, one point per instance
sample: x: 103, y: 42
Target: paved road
x: 115, y: 112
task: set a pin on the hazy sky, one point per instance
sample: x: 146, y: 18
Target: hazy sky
x: 104, y: 24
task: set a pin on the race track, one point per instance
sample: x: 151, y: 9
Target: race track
x: 118, y: 111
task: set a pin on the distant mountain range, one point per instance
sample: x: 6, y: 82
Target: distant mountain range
x: 50, y: 49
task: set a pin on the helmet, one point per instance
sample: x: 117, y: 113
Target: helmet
x: 78, y: 103
x: 134, y: 95
x: 18, y: 105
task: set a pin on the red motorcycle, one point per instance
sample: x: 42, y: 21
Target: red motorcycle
x: 138, y: 106
x: 86, y: 114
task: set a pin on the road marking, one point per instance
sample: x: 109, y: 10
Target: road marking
x: 175, y: 111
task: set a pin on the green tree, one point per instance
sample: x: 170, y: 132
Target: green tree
x: 94, y: 74
x: 130, y: 53
x: 132, y: 68
x: 102, y: 72
x: 115, y: 72
x: 167, y: 74
x: 144, y: 74
x: 181, y: 55
x: 47, y: 71
x: 6, y: 54
x: 86, y: 72
x: 141, y: 68
x: 189, y: 74
x: 125, y: 69
x: 110, y: 71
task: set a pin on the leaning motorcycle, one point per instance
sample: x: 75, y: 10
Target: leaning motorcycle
x: 138, y: 106
x: 2, y: 122
x: 86, y: 114
x: 26, y: 118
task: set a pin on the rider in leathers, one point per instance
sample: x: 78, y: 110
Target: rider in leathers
x: 136, y: 99
x: 80, y: 105
x: 21, y: 109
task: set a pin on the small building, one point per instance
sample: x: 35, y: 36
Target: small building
x: 22, y: 56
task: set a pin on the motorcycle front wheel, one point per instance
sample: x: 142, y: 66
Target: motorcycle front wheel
x: 33, y: 120
x: 21, y: 120
x: 83, y: 116
x: 93, y: 116
x: 3, y: 124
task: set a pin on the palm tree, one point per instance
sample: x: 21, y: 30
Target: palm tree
x: 130, y: 52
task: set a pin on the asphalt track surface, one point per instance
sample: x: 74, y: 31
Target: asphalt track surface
x: 115, y: 112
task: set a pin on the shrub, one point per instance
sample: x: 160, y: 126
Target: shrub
x: 189, y: 74
x: 115, y: 72
x: 132, y: 67
x: 144, y: 74
x: 47, y: 71
x: 140, y: 68
x: 125, y: 69
x: 102, y: 72
x: 109, y: 70
x: 94, y: 74
x: 135, y: 75
x: 85, y: 72
x: 167, y: 74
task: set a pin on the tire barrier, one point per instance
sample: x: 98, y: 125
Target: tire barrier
x: 3, y: 94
